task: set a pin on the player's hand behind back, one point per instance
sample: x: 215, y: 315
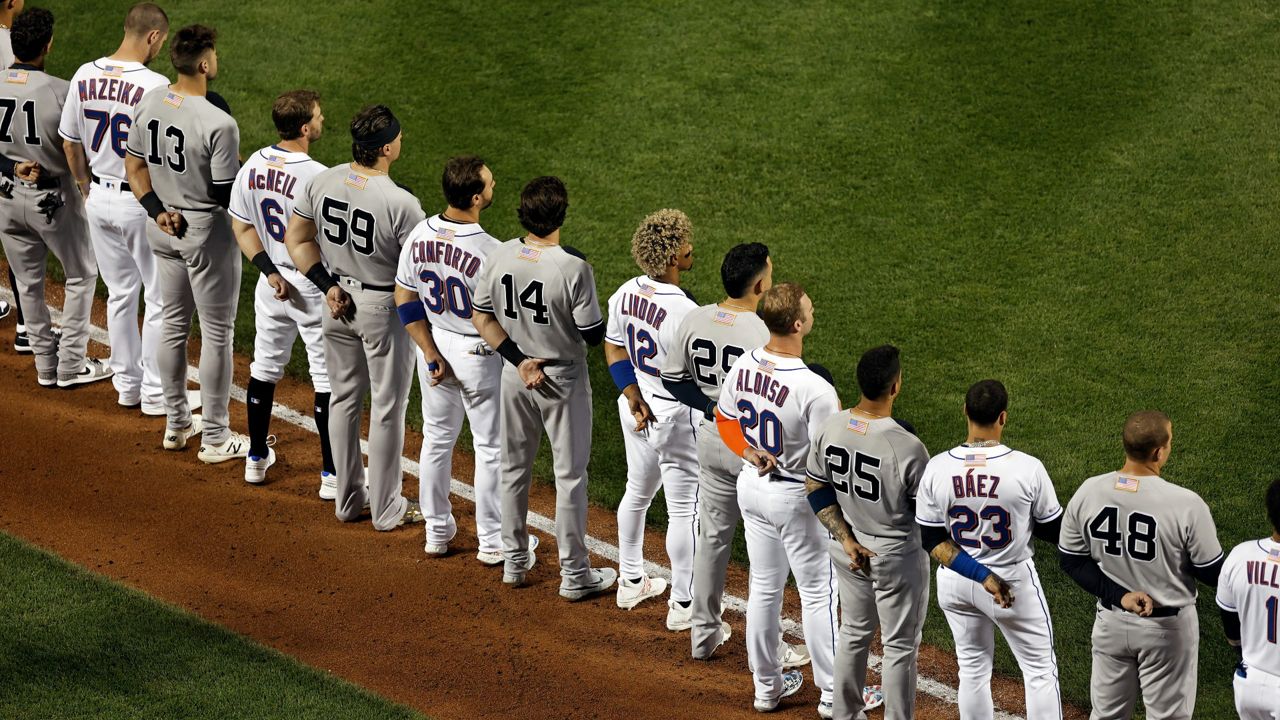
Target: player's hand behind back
x: 1138, y: 603
x: 280, y: 285
x: 859, y: 556
x: 640, y: 409
x: 27, y: 171
x: 339, y: 302
x: 999, y: 589
x: 531, y: 372
x: 763, y: 461
x: 172, y: 223
x: 437, y: 369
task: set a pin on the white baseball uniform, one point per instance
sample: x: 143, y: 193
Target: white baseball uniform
x: 441, y: 261
x: 780, y: 404
x: 266, y: 189
x: 988, y: 499
x: 98, y: 113
x: 1249, y: 585
x: 643, y: 317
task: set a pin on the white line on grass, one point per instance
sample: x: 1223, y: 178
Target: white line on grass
x: 927, y: 685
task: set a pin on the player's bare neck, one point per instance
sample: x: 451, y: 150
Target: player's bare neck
x: 191, y: 85
x: 989, y: 435
x: 745, y: 304
x: 786, y: 345
x: 1135, y: 468
x: 381, y: 167
x: 462, y: 217
x: 297, y: 145
x: 129, y: 52
x: 548, y: 241
x: 670, y: 277
x: 874, y: 409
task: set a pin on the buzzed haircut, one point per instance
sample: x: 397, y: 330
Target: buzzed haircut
x: 543, y: 204
x: 781, y: 308
x: 189, y: 47
x: 462, y: 180
x: 1273, y: 504
x: 371, y: 119
x: 877, y: 371
x: 31, y: 33
x: 658, y: 239
x: 985, y: 401
x: 742, y: 265
x: 144, y: 18
x: 292, y: 110
x: 1145, y: 432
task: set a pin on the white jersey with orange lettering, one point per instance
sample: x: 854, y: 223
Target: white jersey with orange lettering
x: 97, y: 114
x: 644, y: 315
x: 1250, y: 587
x: 781, y: 404
x: 988, y: 499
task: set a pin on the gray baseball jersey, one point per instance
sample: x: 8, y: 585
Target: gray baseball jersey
x: 30, y: 110
x: 1144, y: 532
x: 875, y: 467
x: 189, y: 145
x: 361, y: 222
x: 543, y: 297
x: 708, y: 341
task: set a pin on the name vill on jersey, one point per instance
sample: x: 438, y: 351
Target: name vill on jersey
x: 1262, y: 572
x: 112, y: 89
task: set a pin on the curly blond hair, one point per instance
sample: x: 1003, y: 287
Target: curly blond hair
x: 658, y: 239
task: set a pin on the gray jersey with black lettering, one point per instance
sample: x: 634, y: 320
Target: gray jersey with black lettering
x: 708, y: 341
x: 30, y: 111
x: 1144, y: 532
x: 361, y: 220
x: 543, y: 296
x: 189, y: 145
x: 875, y: 467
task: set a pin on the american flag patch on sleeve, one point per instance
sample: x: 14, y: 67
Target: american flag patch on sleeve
x: 173, y: 98
x: 724, y: 318
x: 1128, y: 484
x: 859, y: 426
x: 356, y: 180
x: 530, y: 254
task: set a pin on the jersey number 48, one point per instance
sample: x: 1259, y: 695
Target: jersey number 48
x: 1135, y: 535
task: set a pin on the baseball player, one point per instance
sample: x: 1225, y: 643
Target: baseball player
x: 355, y: 218
x: 285, y: 303
x: 1139, y: 543
x: 978, y: 506
x: 777, y: 404
x: 538, y: 297
x: 705, y: 346
x: 863, y: 471
x: 95, y: 126
x: 8, y: 10
x: 440, y: 264
x: 660, y: 441
x: 183, y: 155
x: 1249, y: 597
x: 40, y: 211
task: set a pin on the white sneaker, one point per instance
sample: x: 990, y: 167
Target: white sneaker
x: 255, y: 468
x: 328, y: 486
x: 872, y: 696
x: 726, y: 632
x: 435, y: 550
x: 4, y: 309
x: 793, y: 656
x: 177, y: 439
x: 826, y: 710
x: 235, y: 446
x: 50, y: 380
x: 679, y: 618
x: 517, y: 579
x: 495, y: 558
x: 631, y: 594
x: 93, y: 370
x: 601, y: 579
x: 791, y: 682
x: 412, y: 513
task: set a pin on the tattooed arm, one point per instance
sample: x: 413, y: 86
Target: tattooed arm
x: 823, y: 501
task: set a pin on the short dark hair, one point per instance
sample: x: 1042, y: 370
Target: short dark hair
x: 189, y: 46
x: 1273, y: 504
x: 877, y: 370
x: 1145, y: 432
x: 461, y: 180
x: 742, y: 265
x: 144, y: 18
x: 370, y: 119
x: 781, y: 308
x: 31, y: 33
x: 543, y: 203
x: 985, y: 401
x: 292, y: 110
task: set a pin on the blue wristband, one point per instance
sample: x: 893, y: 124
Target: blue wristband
x: 623, y: 374
x: 822, y: 498
x: 965, y: 565
x: 411, y: 312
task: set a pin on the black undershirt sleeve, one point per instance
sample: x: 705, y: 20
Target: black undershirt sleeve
x: 931, y: 537
x: 1089, y: 576
x: 221, y: 194
x: 593, y: 336
x: 1209, y: 573
x: 688, y: 392
x: 1048, y: 531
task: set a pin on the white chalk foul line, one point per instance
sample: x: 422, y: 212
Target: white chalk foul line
x: 790, y: 626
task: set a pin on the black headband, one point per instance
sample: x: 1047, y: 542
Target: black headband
x: 380, y: 138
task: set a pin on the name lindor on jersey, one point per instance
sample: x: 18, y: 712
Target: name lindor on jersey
x: 642, y: 308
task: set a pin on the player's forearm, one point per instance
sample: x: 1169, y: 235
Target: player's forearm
x: 413, y: 315
x: 300, y: 241
x: 822, y: 499
x: 490, y: 331
x: 1086, y: 573
x: 247, y: 239
x: 76, y: 161
x: 139, y: 177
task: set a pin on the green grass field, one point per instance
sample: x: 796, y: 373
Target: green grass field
x: 1074, y: 198
x: 74, y: 645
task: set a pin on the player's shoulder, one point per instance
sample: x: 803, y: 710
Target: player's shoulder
x: 1247, y: 550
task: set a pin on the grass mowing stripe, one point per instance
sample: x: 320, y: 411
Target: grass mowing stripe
x: 76, y: 645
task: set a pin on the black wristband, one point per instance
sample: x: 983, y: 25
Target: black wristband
x: 152, y: 204
x: 511, y: 352
x: 321, y: 278
x: 262, y: 261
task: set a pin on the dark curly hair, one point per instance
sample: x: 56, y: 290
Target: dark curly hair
x: 189, y: 46
x: 31, y: 33
x: 369, y: 120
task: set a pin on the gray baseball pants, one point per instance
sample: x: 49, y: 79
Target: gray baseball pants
x: 198, y: 272
x: 718, y: 518
x: 563, y: 408
x: 1155, y: 655
x: 368, y: 352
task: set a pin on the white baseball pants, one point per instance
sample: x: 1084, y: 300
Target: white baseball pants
x: 278, y: 323
x: 1257, y: 695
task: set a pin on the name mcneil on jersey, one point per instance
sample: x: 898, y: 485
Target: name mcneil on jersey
x: 276, y: 181
x: 112, y: 89
x: 764, y: 385
x: 445, y: 253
